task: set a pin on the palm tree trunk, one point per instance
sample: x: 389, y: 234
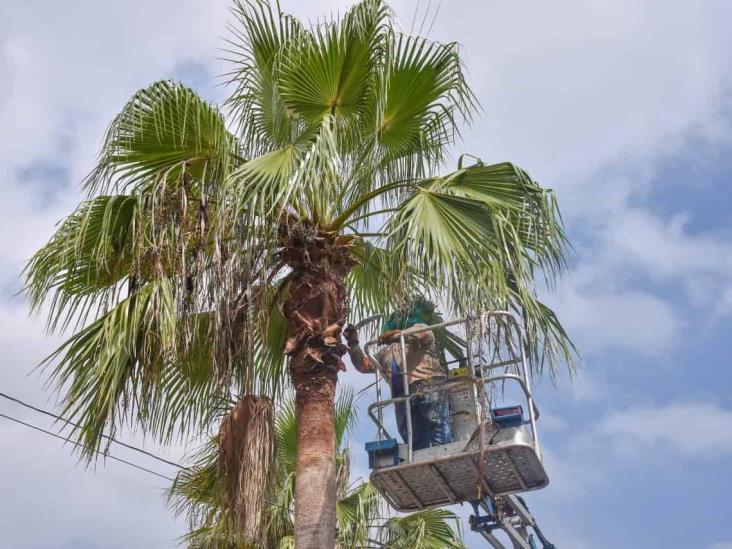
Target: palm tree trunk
x: 315, y: 475
x: 316, y: 310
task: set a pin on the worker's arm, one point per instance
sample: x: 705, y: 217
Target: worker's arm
x: 360, y: 360
x: 422, y: 340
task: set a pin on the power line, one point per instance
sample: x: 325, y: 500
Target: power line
x: 112, y: 439
x: 359, y: 393
x: 141, y: 468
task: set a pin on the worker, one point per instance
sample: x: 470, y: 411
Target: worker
x: 430, y: 410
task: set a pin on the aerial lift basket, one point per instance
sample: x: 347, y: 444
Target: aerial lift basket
x: 499, y: 458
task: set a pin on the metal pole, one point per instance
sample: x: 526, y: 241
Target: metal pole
x: 377, y: 374
x: 469, y: 349
x: 527, y: 382
x: 481, y: 335
x: 407, y: 402
x: 378, y: 399
x: 472, y: 364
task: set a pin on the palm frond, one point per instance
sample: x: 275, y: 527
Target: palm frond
x: 262, y: 119
x: 246, y: 464
x: 81, y: 267
x: 127, y: 366
x: 298, y: 177
x: 286, y: 434
x: 421, y: 98
x: 376, y: 269
x: 164, y: 130
x: 345, y: 414
x: 429, y: 529
x: 479, y: 235
x: 330, y: 70
x: 531, y: 208
x: 356, y: 513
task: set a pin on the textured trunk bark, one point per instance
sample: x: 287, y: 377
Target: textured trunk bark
x: 315, y: 482
x: 316, y: 310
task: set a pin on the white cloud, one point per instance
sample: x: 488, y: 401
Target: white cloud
x: 665, y: 248
x: 633, y: 241
x: 566, y: 89
x: 600, y: 319
x: 721, y: 545
x: 567, y: 480
x: 640, y: 276
x: 553, y: 423
x: 591, y: 457
x: 584, y: 385
x: 695, y: 430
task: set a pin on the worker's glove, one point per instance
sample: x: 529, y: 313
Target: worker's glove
x: 390, y: 336
x: 351, y: 334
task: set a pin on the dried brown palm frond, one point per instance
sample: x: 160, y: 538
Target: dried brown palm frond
x: 246, y: 463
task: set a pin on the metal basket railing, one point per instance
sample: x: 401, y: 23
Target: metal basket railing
x: 493, y: 340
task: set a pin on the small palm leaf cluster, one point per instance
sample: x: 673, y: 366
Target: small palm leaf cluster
x: 196, y: 493
x: 219, y: 250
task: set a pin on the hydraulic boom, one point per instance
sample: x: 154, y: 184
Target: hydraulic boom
x: 510, y: 514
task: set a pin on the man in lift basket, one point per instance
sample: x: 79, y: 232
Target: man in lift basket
x: 430, y: 410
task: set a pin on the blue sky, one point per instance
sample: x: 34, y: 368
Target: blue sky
x: 622, y: 106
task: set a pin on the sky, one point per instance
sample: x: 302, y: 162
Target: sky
x: 624, y: 107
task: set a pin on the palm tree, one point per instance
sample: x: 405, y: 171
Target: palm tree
x: 197, y: 493
x: 214, y: 250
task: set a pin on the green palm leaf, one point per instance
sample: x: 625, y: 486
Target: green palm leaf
x: 379, y: 268
x: 428, y: 529
x: 421, y: 96
x: 80, y: 267
x: 330, y: 70
x: 262, y: 118
x: 164, y: 130
x: 480, y: 234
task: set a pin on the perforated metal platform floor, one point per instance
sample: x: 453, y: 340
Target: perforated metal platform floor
x: 440, y: 478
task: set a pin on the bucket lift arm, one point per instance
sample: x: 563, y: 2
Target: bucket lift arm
x: 510, y: 514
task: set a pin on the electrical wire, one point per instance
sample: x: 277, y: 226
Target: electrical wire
x: 359, y: 393
x: 112, y: 439
x: 140, y: 467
